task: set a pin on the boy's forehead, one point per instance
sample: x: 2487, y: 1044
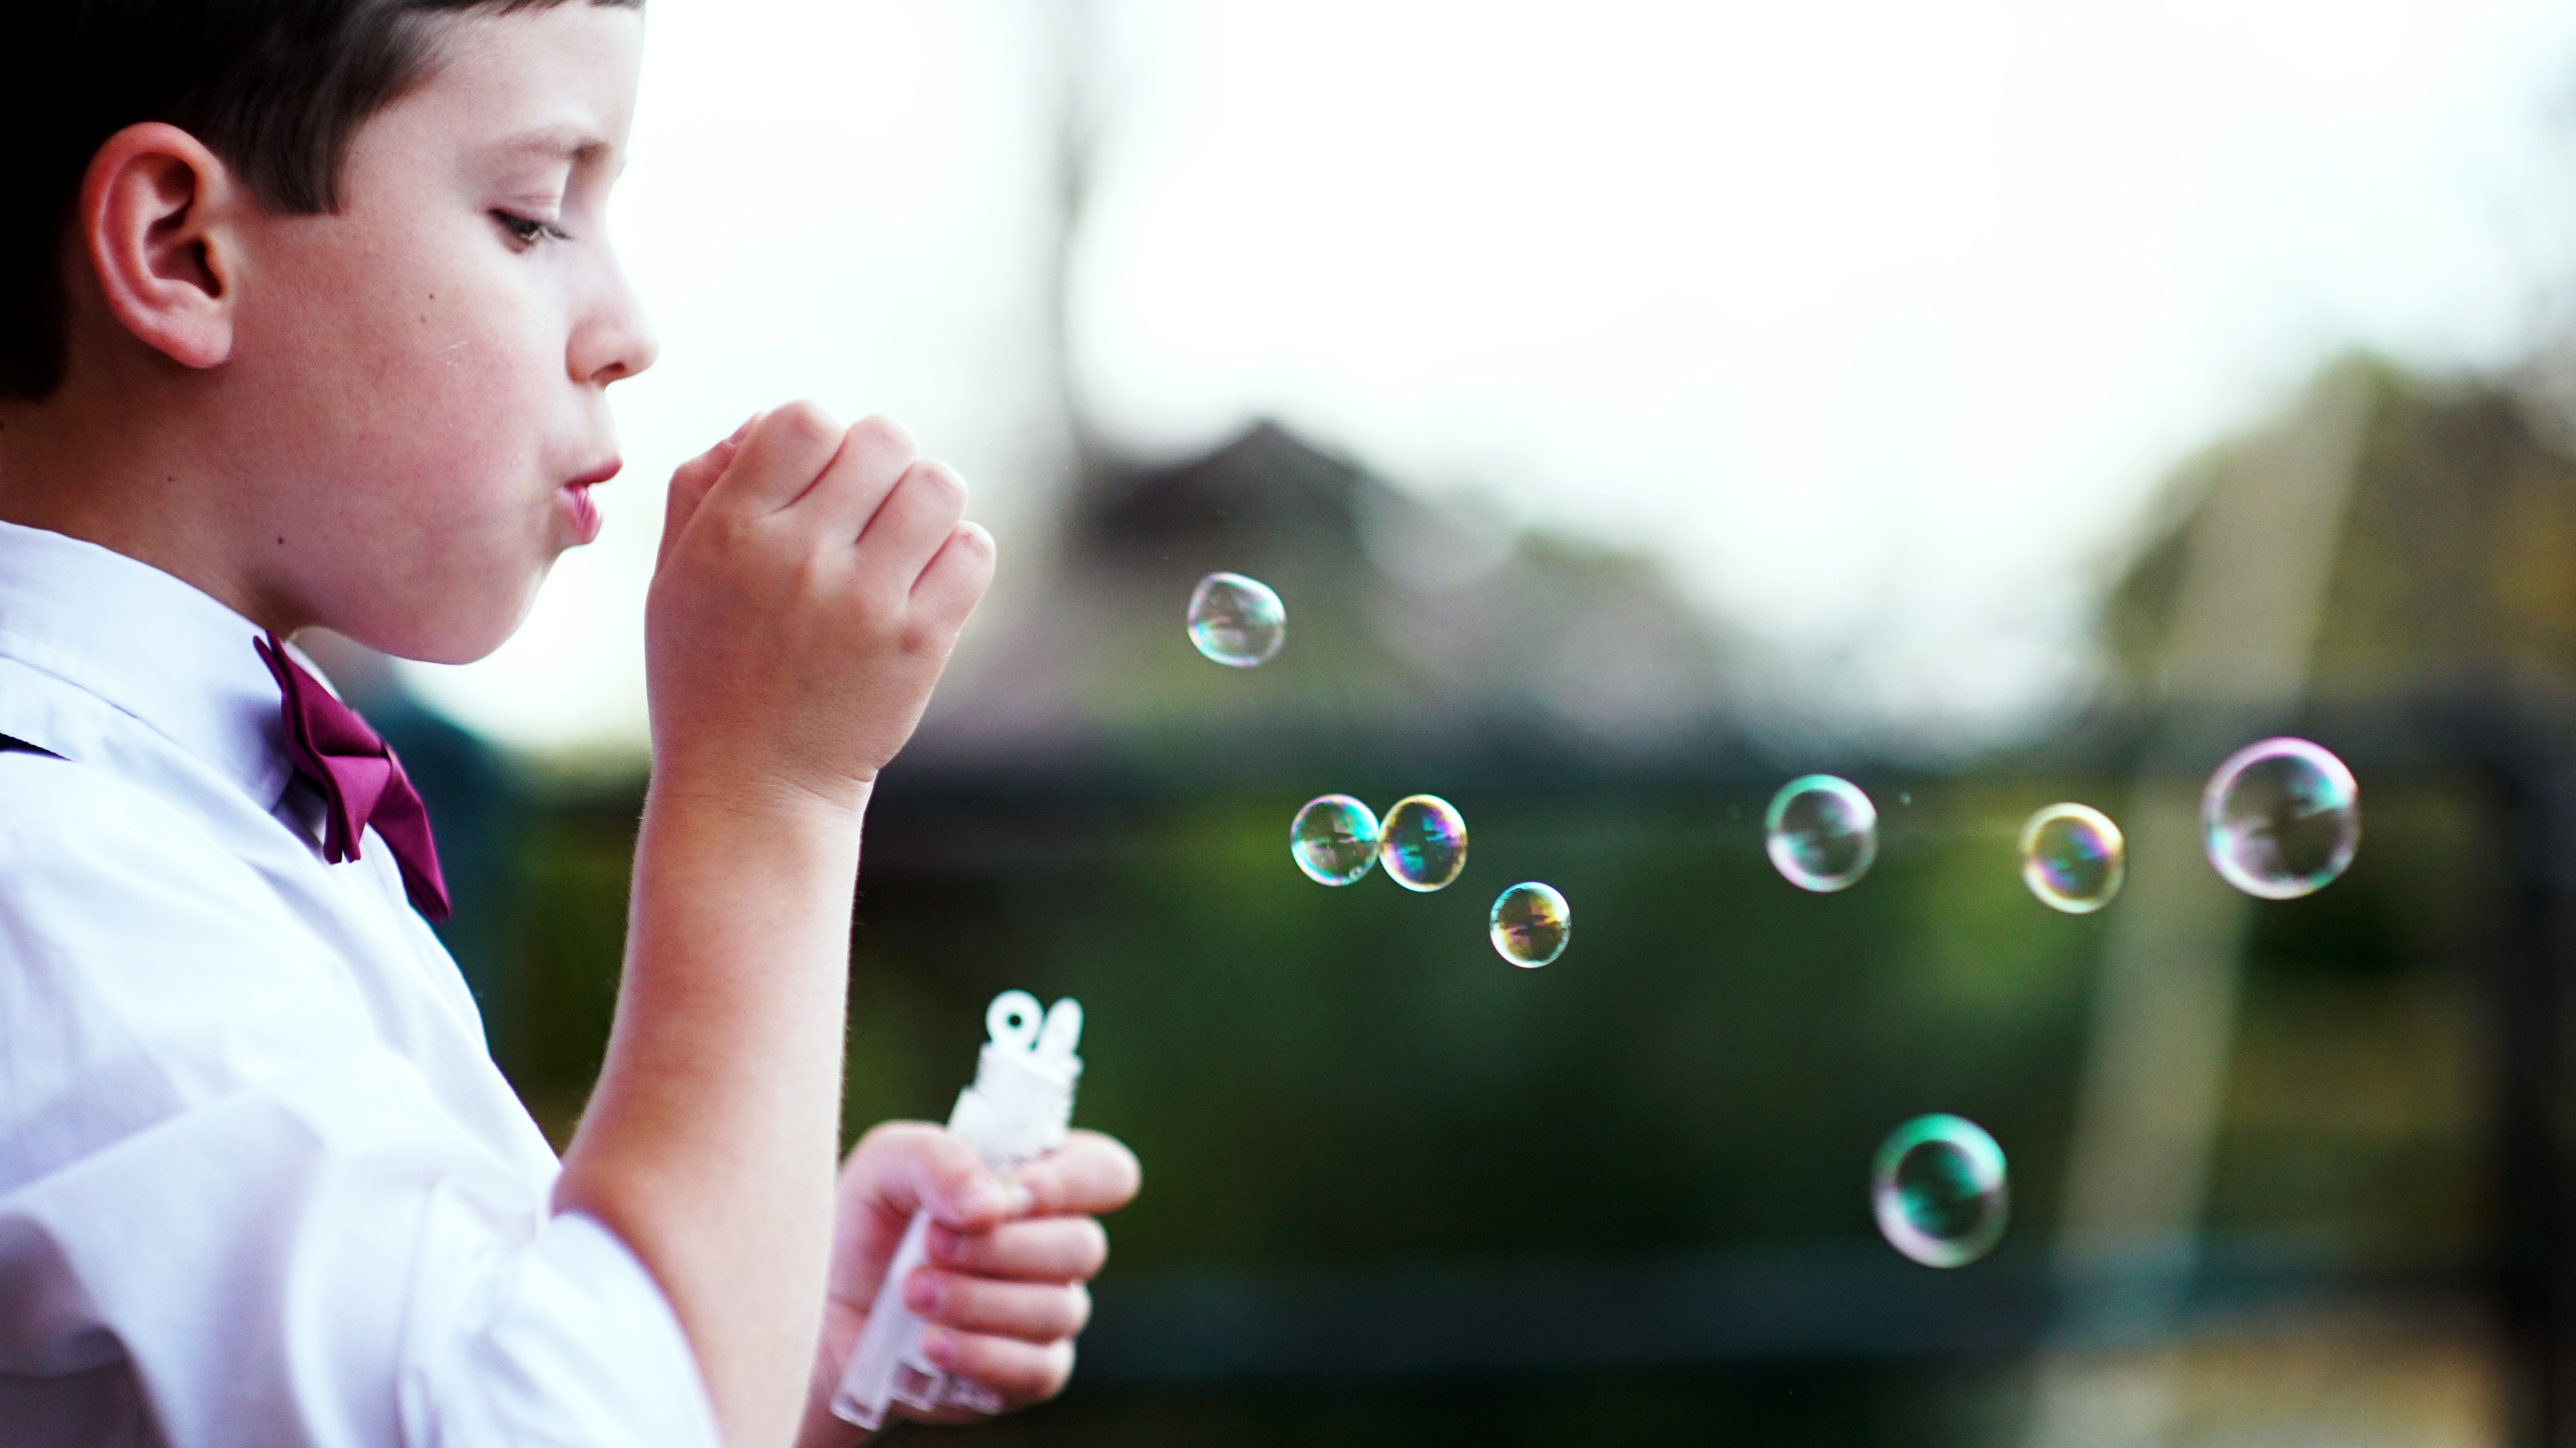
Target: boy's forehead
x: 542, y: 84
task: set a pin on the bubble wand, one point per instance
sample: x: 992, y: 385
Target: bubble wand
x: 1017, y: 1111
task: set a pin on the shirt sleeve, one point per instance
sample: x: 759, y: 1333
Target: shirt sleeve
x: 214, y: 1172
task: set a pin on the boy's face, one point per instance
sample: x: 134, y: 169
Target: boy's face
x: 422, y: 375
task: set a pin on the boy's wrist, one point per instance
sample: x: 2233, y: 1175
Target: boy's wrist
x: 761, y: 798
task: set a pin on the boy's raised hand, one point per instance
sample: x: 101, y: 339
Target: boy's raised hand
x: 811, y: 584
x: 1003, y: 1290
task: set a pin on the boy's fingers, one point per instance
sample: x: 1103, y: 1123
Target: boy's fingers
x: 872, y: 458
x: 1022, y: 1372
x: 909, y: 528
x: 781, y: 456
x: 1087, y: 1176
x: 1041, y: 1249
x: 689, y: 484
x: 1029, y: 1311
x: 954, y: 583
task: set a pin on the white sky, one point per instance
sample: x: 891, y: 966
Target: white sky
x: 1878, y: 322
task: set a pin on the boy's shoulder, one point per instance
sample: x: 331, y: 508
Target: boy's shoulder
x: 144, y: 965
x: 101, y: 873
x: 60, y: 817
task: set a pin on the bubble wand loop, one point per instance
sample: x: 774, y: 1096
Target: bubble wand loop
x: 1017, y: 1111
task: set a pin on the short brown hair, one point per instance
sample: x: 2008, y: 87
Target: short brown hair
x: 274, y: 87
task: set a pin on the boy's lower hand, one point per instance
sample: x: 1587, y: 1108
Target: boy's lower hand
x: 1002, y: 1293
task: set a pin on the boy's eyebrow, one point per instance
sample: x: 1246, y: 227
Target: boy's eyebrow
x: 567, y: 144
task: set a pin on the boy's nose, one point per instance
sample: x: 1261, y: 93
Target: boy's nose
x: 617, y: 340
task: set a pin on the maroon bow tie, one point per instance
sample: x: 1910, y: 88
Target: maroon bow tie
x: 360, y: 777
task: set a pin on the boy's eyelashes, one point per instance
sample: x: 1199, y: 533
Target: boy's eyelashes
x: 526, y: 231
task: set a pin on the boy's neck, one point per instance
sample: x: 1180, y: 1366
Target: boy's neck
x: 106, y: 460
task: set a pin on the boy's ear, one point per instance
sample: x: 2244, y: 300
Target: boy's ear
x: 154, y: 213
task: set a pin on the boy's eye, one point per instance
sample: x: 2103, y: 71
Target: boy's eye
x: 527, y: 231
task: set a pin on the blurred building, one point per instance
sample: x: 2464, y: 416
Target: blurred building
x: 1406, y: 618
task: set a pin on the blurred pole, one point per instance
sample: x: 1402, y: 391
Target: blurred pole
x: 2256, y: 564
x: 2534, y: 1153
x: 1077, y: 120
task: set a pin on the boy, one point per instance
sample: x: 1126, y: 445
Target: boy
x: 306, y: 318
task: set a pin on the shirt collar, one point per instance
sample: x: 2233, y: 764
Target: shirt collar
x: 155, y: 648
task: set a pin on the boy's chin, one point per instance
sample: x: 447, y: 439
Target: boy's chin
x: 455, y: 638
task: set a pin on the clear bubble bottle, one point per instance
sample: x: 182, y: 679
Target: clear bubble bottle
x: 1017, y: 1111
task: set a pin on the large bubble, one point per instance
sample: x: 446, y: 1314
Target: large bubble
x: 1237, y: 621
x: 1822, y: 832
x: 2072, y: 858
x: 1334, y: 839
x: 1423, y: 842
x: 1530, y: 924
x: 2281, y: 819
x: 1938, y: 1190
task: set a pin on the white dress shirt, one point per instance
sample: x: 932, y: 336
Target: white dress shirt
x: 260, y: 1182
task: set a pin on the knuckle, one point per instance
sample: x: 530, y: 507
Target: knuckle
x: 880, y: 431
x: 1091, y: 1248
x: 1130, y: 1171
x: 921, y: 635
x: 938, y: 484
x: 931, y: 1289
x: 1055, y: 1369
x: 953, y: 1171
x: 805, y: 421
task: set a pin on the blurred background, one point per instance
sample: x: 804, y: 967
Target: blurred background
x: 1637, y: 406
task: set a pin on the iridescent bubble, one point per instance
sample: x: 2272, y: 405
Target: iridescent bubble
x: 1334, y: 839
x: 1423, y: 841
x: 1531, y: 923
x: 2281, y: 819
x: 1237, y: 621
x: 2072, y: 858
x: 1822, y: 832
x: 1938, y: 1188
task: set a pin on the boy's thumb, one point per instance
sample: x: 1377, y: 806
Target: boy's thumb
x: 942, y: 1175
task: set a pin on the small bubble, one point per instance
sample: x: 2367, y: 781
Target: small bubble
x: 1237, y: 621
x: 1938, y: 1189
x: 1334, y: 839
x: 1531, y: 923
x: 2281, y: 819
x: 2072, y: 858
x: 1904, y: 797
x: 1822, y: 832
x: 1423, y: 841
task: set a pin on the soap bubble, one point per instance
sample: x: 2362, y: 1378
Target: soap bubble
x: 1334, y: 839
x: 1531, y: 924
x: 1237, y: 621
x: 2072, y: 858
x: 1938, y: 1188
x: 1423, y: 841
x: 2281, y: 819
x: 1822, y: 832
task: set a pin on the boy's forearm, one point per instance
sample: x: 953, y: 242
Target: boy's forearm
x: 709, y: 1142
